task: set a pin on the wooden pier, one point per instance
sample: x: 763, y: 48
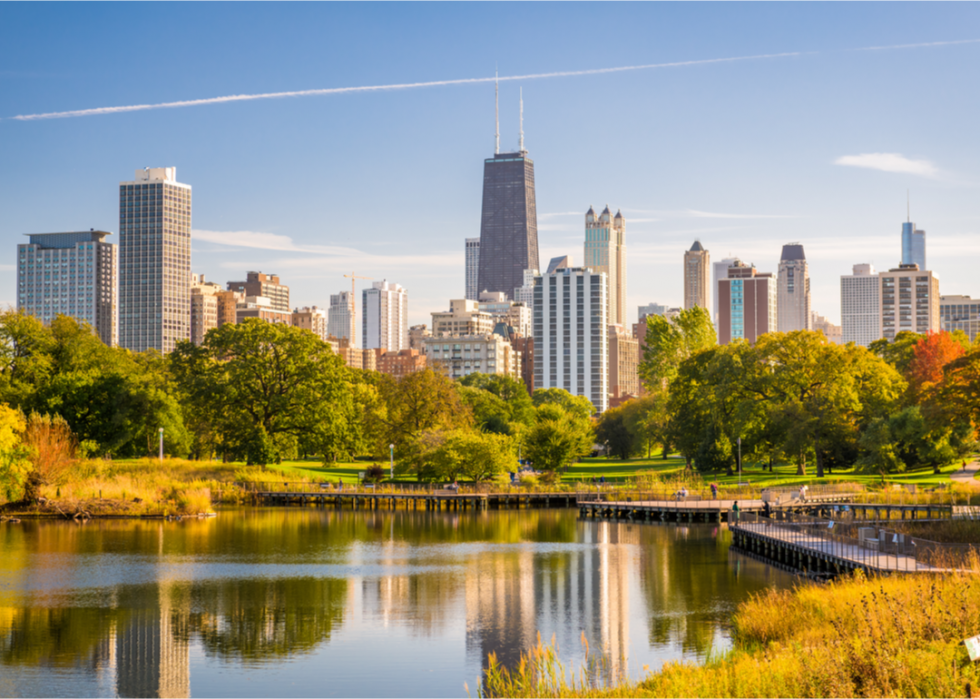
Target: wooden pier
x: 441, y: 499
x: 695, y: 509
x: 822, y: 549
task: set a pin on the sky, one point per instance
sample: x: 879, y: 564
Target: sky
x: 831, y: 118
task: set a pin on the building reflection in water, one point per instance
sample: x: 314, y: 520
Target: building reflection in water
x: 153, y: 651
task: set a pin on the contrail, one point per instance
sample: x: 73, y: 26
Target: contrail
x: 438, y: 83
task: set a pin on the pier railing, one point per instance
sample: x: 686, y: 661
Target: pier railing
x: 882, y: 548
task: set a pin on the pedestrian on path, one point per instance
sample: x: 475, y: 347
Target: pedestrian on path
x: 735, y: 510
x: 714, y: 491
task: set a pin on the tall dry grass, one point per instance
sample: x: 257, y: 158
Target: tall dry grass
x: 857, y: 637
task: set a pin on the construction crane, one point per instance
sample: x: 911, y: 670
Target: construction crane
x: 353, y: 306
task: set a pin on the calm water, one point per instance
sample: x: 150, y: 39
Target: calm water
x: 294, y: 602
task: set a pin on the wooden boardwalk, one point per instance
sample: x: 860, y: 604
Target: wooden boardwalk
x: 441, y: 499
x: 695, y: 510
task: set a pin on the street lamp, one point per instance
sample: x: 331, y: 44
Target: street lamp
x: 392, y: 448
x: 740, y: 461
x: 161, y: 445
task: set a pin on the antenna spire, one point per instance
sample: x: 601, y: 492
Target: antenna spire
x: 496, y: 111
x: 908, y: 206
x: 520, y: 147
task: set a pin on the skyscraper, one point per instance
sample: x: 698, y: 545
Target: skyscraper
x: 154, y: 260
x: 341, y: 322
x: 697, y: 262
x: 859, y: 306
x: 746, y: 304
x: 571, y: 349
x: 605, y: 251
x: 72, y: 274
x: 509, y: 224
x: 267, y: 285
x: 909, y: 301
x: 384, y: 315
x: 913, y: 245
x: 719, y: 272
x: 960, y: 313
x: 794, y: 290
x: 472, y: 268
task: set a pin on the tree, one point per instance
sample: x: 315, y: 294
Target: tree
x: 930, y: 355
x: 490, y: 413
x: 899, y: 352
x: 558, y: 437
x: 646, y: 418
x: 614, y: 431
x: 508, y: 389
x: 13, y: 465
x: 52, y: 452
x: 263, y: 386
x: 671, y: 342
x: 579, y: 405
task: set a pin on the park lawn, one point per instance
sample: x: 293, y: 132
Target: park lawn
x: 784, y: 474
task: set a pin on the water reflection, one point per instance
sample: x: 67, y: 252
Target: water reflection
x: 123, y: 607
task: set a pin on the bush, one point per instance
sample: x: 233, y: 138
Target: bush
x: 374, y: 473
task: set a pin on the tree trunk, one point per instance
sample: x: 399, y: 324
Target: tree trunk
x: 801, y: 465
x: 770, y: 463
x: 819, y: 463
x: 688, y: 466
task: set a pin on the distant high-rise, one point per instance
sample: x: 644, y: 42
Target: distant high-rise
x: 697, y: 262
x: 205, y: 297
x: 571, y: 349
x: 746, y: 304
x: 605, y: 251
x: 525, y: 294
x: 509, y: 224
x: 384, y: 317
x: 859, y: 306
x: 793, y: 304
x: 72, y: 274
x: 913, y: 245
x: 472, y: 268
x: 909, y: 301
x: 341, y: 322
x: 719, y: 271
x: 267, y: 285
x: 960, y: 313
x: 154, y: 260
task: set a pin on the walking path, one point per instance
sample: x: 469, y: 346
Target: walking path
x: 967, y: 477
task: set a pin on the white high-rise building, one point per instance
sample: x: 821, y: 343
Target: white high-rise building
x: 154, y: 260
x: 793, y: 295
x: 384, y: 316
x: 909, y: 301
x: 571, y: 347
x: 605, y: 251
x: 860, y: 308
x: 719, y: 271
x: 472, y: 268
x: 341, y: 321
x: 71, y: 274
x: 525, y: 294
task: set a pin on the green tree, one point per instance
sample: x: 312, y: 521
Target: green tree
x: 613, y: 430
x: 490, y: 413
x: 265, y: 385
x: 898, y: 352
x: 580, y: 406
x: 558, y: 437
x: 670, y: 342
x: 510, y: 390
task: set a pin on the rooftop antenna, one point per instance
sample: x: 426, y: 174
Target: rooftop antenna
x: 908, y: 206
x: 496, y: 111
x: 520, y: 146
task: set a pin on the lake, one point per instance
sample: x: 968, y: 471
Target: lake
x: 325, y: 602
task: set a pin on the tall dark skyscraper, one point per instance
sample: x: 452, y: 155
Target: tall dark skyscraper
x: 509, y: 227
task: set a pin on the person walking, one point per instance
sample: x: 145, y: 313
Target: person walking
x: 735, y: 511
x: 714, y: 491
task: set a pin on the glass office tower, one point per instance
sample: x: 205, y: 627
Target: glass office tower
x: 154, y: 261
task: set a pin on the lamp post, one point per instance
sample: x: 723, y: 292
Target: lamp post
x: 740, y: 461
x: 391, y: 447
x: 161, y: 445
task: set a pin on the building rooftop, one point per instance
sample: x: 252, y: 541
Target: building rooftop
x: 792, y: 251
x: 559, y: 263
x: 697, y: 247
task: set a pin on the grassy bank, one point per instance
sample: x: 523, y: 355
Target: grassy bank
x: 146, y: 487
x: 857, y: 637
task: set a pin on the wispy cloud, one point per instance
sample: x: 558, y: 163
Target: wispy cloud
x: 694, y: 213
x: 561, y: 213
x: 326, y: 257
x: 889, y: 162
x: 461, y: 81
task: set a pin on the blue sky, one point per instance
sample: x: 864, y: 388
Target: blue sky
x: 746, y: 155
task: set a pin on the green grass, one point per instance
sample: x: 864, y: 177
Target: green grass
x: 784, y: 474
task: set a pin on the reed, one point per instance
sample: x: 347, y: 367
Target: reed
x: 856, y: 637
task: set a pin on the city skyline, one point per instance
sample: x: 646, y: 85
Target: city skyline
x: 842, y: 193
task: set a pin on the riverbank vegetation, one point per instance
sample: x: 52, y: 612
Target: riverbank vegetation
x: 266, y: 394
x: 855, y: 637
